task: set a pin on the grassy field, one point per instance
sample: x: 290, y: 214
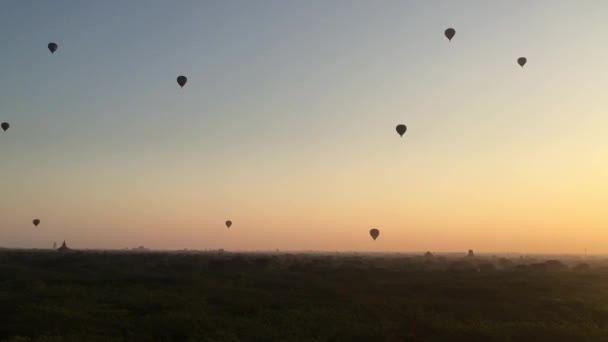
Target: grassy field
x: 105, y: 296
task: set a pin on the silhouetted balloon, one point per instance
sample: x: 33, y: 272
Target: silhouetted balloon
x: 401, y: 129
x: 36, y: 222
x: 522, y: 61
x: 182, y: 80
x: 5, y: 126
x: 228, y: 223
x: 53, y: 47
x: 374, y: 233
x: 449, y: 33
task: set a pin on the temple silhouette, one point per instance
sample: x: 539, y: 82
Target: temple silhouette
x: 63, y: 248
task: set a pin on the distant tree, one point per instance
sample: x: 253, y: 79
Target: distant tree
x: 461, y: 266
x: 555, y: 264
x: 505, y: 263
x: 471, y: 254
x: 549, y: 265
x: 582, y: 267
x: 487, y: 267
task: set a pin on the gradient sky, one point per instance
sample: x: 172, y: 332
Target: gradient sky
x: 286, y: 125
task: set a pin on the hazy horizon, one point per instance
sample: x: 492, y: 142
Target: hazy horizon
x: 410, y: 253
x: 287, y: 125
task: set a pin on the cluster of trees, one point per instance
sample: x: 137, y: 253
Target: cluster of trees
x: 214, y: 296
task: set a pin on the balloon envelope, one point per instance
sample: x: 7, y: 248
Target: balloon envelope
x: 182, y: 80
x: 5, y: 126
x: 36, y: 222
x: 449, y: 33
x: 522, y: 61
x: 52, y: 47
x: 228, y: 223
x: 374, y: 233
x: 401, y: 129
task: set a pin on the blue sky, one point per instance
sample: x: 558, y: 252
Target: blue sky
x: 288, y: 119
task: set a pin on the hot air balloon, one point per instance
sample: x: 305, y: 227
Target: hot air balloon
x: 228, y: 223
x: 374, y: 233
x: 401, y: 129
x: 522, y: 61
x: 36, y: 222
x: 449, y: 33
x: 53, y: 47
x: 5, y: 126
x: 181, y: 80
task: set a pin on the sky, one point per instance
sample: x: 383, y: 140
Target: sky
x: 287, y: 125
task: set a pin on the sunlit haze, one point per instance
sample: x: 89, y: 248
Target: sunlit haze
x: 287, y: 125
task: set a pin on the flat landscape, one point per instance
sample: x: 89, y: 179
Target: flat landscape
x: 221, y: 296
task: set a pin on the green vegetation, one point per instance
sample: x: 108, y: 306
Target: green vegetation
x: 106, y: 296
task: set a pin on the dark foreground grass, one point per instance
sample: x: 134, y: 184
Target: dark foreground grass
x: 86, y: 296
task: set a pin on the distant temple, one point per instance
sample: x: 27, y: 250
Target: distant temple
x: 63, y: 248
x: 428, y: 255
x: 471, y: 254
